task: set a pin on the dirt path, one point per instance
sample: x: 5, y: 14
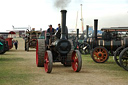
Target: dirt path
x: 22, y: 70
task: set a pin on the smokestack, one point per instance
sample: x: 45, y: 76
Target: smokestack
x: 95, y: 28
x: 63, y: 24
x: 87, y: 26
x: 77, y: 33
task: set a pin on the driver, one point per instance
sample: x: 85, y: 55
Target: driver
x: 51, y: 31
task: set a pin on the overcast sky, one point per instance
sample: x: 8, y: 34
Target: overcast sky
x: 40, y: 13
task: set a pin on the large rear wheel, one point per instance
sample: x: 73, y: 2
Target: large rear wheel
x: 100, y: 54
x: 40, y: 50
x: 117, y: 53
x: 48, y: 61
x: 123, y: 59
x: 76, y: 61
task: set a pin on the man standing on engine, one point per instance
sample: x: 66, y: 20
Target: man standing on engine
x: 58, y: 27
x: 50, y: 32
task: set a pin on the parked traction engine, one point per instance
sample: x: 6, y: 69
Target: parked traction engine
x: 31, y: 39
x: 5, y: 42
x: 105, y: 44
x: 121, y: 53
x: 59, y: 49
x: 3, y: 46
x: 84, y: 47
x: 121, y: 57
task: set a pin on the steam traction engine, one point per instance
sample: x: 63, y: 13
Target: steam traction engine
x: 5, y: 41
x: 84, y: 47
x: 121, y: 53
x: 3, y: 46
x: 110, y: 40
x: 58, y: 50
x: 31, y: 39
x: 122, y: 60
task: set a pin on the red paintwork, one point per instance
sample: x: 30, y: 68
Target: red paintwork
x: 37, y: 53
x: 46, y: 62
x: 75, y: 61
x: 10, y: 44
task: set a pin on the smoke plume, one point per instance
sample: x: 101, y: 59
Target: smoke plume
x: 62, y: 4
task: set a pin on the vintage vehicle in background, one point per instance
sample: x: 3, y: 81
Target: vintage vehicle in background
x: 74, y: 36
x: 59, y: 49
x: 6, y: 42
x: 120, y: 55
x: 113, y: 41
x: 31, y: 38
x: 84, y: 47
x: 3, y: 46
x: 122, y: 60
x: 78, y: 40
x: 106, y: 44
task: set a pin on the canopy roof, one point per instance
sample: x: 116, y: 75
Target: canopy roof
x: 11, y: 32
x: 122, y: 29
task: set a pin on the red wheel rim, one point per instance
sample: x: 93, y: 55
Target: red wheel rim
x: 100, y: 55
x: 37, y: 53
x: 74, y: 61
x: 46, y: 62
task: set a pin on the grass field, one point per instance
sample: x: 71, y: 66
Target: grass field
x: 18, y: 67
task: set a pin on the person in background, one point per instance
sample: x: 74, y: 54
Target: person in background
x: 16, y: 44
x: 58, y: 27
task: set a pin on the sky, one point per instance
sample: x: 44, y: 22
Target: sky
x: 40, y: 13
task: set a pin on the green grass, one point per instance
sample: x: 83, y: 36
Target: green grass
x: 109, y: 67
x: 17, y: 70
x: 11, y: 71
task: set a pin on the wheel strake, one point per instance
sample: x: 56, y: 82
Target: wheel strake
x: 48, y: 61
x: 76, y: 61
x: 40, y: 51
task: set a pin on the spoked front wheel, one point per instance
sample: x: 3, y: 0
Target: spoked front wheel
x: 76, y: 61
x: 48, y: 61
x: 123, y: 59
x: 100, y: 54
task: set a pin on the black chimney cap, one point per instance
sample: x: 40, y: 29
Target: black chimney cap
x: 63, y: 11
